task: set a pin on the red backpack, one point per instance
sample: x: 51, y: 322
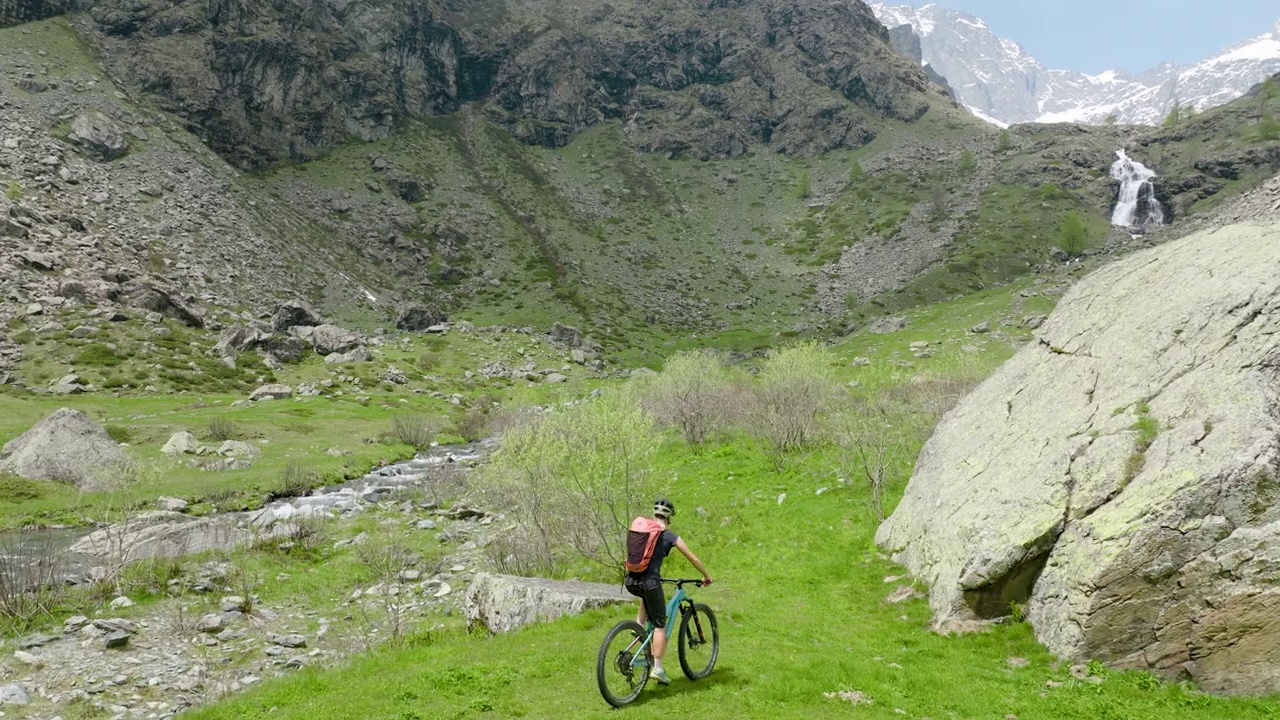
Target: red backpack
x: 642, y: 538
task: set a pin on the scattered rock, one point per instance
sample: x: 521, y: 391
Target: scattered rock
x: 554, y: 378
x: 358, y: 355
x: 271, y: 392
x: 236, y: 448
x: 288, y: 641
x: 181, y: 443
x: 329, y: 339
x: 212, y: 623
x: 13, y: 694
x: 27, y: 658
x: 887, y: 325
x: 980, y: 328
x: 1018, y: 662
x: 116, y: 639
x: 295, y: 313
x: 853, y: 697
x: 415, y: 317
x: 171, y: 504
x: 100, y: 136
x: 902, y: 594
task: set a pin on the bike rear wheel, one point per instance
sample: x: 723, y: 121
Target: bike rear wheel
x: 699, y: 642
x: 621, y: 682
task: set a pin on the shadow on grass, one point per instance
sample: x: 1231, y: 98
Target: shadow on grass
x: 681, y: 685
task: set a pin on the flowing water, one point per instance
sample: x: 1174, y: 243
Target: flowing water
x: 1136, y: 207
x: 23, y: 549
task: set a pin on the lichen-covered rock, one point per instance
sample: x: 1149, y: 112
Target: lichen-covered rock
x: 1121, y: 473
x: 67, y: 446
x: 181, y: 443
x: 274, y: 391
x: 502, y: 603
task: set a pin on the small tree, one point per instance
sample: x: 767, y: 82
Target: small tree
x: 804, y: 185
x: 855, y: 171
x: 1006, y: 142
x: 1111, y: 119
x: 1270, y: 89
x: 1071, y: 235
x: 967, y: 161
x: 1175, y: 115
x: 1268, y: 128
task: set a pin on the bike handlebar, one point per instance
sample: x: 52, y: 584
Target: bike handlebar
x: 683, y: 581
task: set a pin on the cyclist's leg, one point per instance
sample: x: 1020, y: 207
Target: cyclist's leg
x: 655, y: 603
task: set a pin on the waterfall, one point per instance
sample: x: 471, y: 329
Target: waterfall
x: 1137, y: 206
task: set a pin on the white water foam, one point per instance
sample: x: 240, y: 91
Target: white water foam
x: 1137, y: 205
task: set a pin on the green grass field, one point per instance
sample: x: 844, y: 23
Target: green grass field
x: 801, y: 595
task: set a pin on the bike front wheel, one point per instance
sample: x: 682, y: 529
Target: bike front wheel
x: 620, y: 680
x: 699, y: 642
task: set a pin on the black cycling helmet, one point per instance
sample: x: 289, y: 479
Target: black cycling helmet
x: 663, y: 508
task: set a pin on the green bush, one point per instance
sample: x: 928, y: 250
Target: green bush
x: 97, y: 355
x: 967, y: 162
x: 14, y: 191
x: 1006, y: 142
x: 1268, y: 128
x: 14, y: 489
x: 119, y: 433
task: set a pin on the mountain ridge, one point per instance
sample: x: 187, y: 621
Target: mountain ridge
x: 999, y: 80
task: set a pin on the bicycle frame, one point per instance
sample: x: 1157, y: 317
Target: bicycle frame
x: 672, y: 606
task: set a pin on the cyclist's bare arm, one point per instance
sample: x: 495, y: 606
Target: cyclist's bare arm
x: 706, y: 577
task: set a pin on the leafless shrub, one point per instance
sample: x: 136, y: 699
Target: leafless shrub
x: 295, y: 480
x: 295, y: 537
x: 445, y: 483
x: 695, y: 393
x: 31, y: 575
x: 415, y: 431
x: 795, y: 394
x: 871, y: 448
x: 221, y: 429
x: 574, y: 479
x: 384, y: 561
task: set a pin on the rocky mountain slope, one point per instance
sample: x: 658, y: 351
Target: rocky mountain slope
x: 998, y: 79
x: 112, y: 200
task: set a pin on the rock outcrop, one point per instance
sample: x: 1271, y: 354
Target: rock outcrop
x: 1120, y: 475
x: 502, y: 603
x: 159, y: 534
x: 66, y: 446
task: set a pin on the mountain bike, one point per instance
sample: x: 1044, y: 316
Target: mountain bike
x: 622, y: 668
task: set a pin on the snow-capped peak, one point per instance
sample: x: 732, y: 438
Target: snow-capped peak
x: 998, y: 79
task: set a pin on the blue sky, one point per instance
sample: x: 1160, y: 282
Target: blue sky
x: 1097, y: 35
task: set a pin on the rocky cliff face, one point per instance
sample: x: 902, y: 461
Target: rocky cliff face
x: 287, y: 81
x: 1119, y: 475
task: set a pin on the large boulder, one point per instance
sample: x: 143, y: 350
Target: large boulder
x: 1120, y: 474
x: 414, y: 317
x: 502, y: 603
x: 295, y: 313
x: 99, y: 136
x: 66, y: 446
x: 160, y: 534
x: 329, y: 339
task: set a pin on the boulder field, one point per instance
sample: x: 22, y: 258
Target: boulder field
x: 1118, y: 478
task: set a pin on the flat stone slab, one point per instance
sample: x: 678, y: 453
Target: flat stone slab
x: 502, y: 603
